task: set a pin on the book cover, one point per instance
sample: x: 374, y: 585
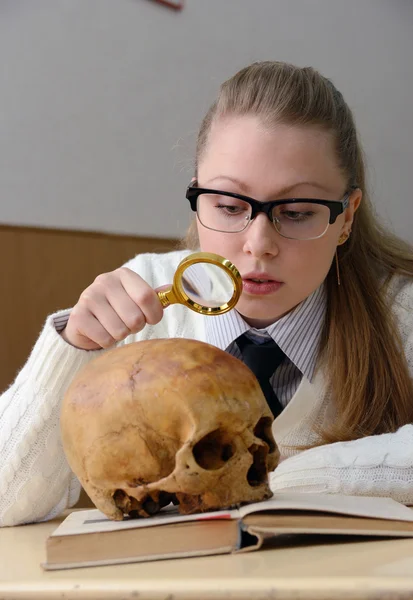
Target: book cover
x: 87, y: 537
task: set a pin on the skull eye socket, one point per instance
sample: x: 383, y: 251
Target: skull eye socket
x: 257, y: 473
x: 213, y: 450
x: 263, y: 431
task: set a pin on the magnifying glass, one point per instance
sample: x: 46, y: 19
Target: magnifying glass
x: 205, y: 282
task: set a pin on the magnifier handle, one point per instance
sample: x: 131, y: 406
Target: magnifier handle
x: 167, y: 296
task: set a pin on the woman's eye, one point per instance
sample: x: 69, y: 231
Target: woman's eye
x: 230, y: 209
x: 293, y: 215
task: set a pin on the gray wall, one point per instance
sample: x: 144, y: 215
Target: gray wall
x: 101, y: 99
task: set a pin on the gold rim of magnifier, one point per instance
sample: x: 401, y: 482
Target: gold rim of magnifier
x: 213, y: 259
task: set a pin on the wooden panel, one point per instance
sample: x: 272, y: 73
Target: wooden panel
x: 44, y: 270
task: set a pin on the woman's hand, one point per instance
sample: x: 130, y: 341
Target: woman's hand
x: 114, y: 306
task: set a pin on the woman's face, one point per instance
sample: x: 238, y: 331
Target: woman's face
x: 283, y: 162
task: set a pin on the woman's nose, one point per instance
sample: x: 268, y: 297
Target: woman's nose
x: 261, y: 237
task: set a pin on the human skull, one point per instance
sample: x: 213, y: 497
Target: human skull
x: 168, y: 420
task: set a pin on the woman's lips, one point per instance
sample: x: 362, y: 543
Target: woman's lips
x: 260, y: 286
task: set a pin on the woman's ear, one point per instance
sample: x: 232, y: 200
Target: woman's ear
x: 354, y: 203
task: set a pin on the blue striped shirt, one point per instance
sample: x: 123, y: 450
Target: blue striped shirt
x: 297, y: 333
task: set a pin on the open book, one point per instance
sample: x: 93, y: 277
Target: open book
x: 87, y: 537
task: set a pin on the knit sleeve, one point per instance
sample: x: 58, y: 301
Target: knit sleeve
x: 379, y: 465
x: 36, y: 482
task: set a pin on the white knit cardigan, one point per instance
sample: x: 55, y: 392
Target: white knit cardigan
x: 37, y: 484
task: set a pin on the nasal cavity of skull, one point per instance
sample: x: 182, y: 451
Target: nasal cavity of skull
x: 213, y: 450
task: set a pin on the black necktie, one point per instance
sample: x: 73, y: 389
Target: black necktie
x: 263, y: 360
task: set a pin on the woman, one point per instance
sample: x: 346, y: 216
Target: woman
x: 279, y: 189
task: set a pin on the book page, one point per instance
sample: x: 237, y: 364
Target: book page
x: 361, y: 506
x: 93, y: 521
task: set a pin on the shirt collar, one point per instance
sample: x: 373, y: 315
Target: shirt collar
x: 298, y: 333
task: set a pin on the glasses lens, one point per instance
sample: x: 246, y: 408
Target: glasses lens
x: 301, y: 221
x: 223, y: 213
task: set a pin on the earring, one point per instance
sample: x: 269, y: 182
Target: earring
x: 341, y: 240
x: 337, y: 270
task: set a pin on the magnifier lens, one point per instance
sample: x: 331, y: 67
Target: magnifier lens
x: 204, y: 282
x: 207, y: 284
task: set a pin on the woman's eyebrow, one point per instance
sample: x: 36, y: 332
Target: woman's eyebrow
x: 281, y: 192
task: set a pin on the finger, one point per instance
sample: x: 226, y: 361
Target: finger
x: 109, y: 319
x: 143, y: 295
x: 91, y: 332
x: 127, y: 310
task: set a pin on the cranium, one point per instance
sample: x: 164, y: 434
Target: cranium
x: 168, y: 420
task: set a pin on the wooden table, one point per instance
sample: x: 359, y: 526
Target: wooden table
x: 334, y: 570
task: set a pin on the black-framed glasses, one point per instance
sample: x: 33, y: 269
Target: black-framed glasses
x: 293, y: 218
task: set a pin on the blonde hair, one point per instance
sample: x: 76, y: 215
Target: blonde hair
x: 361, y: 348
